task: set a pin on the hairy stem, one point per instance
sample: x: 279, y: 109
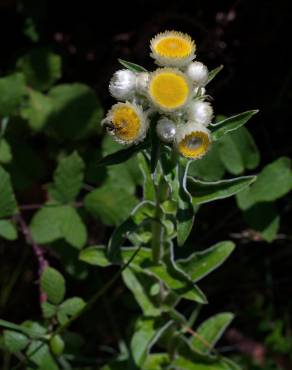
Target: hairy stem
x: 38, y: 251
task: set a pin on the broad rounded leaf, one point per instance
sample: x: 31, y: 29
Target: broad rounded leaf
x: 273, y: 182
x: 68, y: 178
x: 41, y: 67
x: 12, y: 93
x: 8, y: 206
x: 8, y: 230
x: 15, y: 341
x: 53, y: 284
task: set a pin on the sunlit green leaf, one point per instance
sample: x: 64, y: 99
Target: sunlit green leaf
x: 210, y: 331
x: 15, y: 341
x: 200, y: 264
x: 132, y: 66
x: 230, y: 124
x: 203, y: 192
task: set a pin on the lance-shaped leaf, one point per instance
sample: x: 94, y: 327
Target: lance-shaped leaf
x: 144, y: 210
x: 200, y: 264
x: 147, y: 332
x: 185, y: 212
x: 214, y: 72
x: 230, y: 124
x: 148, y: 186
x: 203, y: 192
x: 132, y: 66
x: 210, y: 331
x: 122, y: 155
x: 141, y: 285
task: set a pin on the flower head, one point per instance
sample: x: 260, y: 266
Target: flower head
x: 192, y: 140
x: 198, y: 73
x: 173, y: 49
x: 126, y: 122
x: 122, y: 85
x: 200, y: 112
x: 169, y: 89
x: 166, y: 129
x: 142, y: 81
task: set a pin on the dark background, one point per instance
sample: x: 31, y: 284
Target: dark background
x: 252, y: 39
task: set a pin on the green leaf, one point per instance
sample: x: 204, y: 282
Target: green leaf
x: 230, y: 124
x: 5, y: 151
x: 200, y: 264
x: 204, y: 192
x: 41, y: 67
x: 147, y: 332
x: 69, y: 308
x: 148, y: 186
x: 238, y: 151
x: 49, y: 310
x: 110, y: 203
x: 141, y: 212
x: 12, y: 93
x: 123, y: 155
x: 140, y: 285
x: 214, y: 72
x: 53, y: 284
x: 157, y: 361
x: 8, y: 206
x: 210, y: 167
x: 264, y: 218
x: 23, y: 328
x: 52, y: 222
x: 75, y: 111
x: 39, y: 353
x: 95, y: 255
x: 185, y: 213
x: 8, y: 230
x: 132, y: 66
x: 185, y: 364
x: 15, y: 341
x: 37, y: 110
x: 68, y: 178
x: 274, y: 181
x: 211, y: 331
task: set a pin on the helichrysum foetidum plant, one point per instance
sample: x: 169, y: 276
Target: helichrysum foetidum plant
x: 175, y: 92
x: 165, y: 118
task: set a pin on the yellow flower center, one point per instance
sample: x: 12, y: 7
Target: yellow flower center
x: 194, y: 145
x: 169, y: 90
x: 127, y: 123
x: 173, y: 47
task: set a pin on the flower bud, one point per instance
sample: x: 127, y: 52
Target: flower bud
x: 200, y: 112
x: 198, y: 73
x: 166, y: 129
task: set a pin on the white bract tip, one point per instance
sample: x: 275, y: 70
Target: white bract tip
x: 198, y: 73
x: 200, y: 112
x: 122, y: 85
x: 142, y: 81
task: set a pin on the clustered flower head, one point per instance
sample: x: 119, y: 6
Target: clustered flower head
x: 175, y: 91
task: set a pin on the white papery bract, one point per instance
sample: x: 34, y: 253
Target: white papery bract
x: 122, y: 85
x: 200, y: 112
